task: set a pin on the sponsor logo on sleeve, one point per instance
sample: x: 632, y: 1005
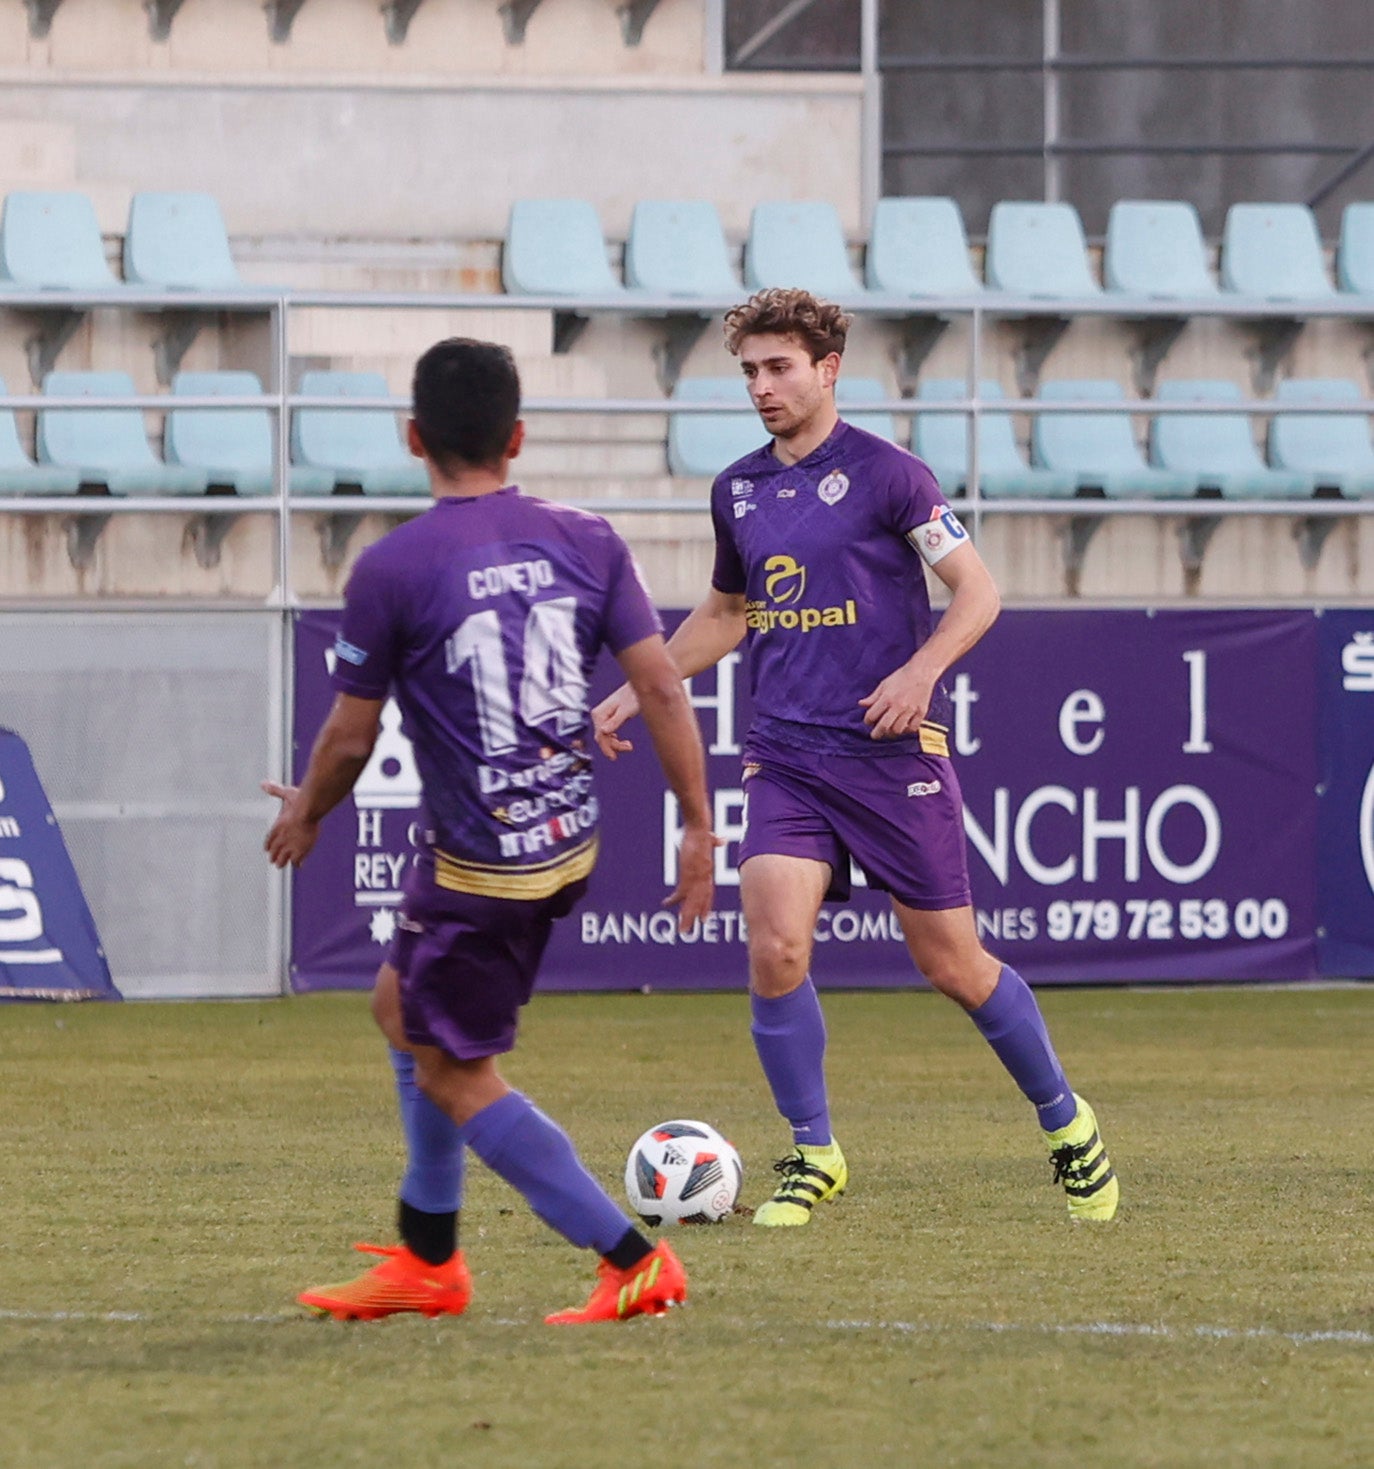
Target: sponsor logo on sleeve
x: 923, y: 788
x: 350, y: 653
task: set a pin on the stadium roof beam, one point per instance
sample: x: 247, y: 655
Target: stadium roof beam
x: 41, y: 13
x: 634, y: 16
x: 161, y: 13
x: 515, y: 16
x: 398, y: 15
x: 281, y: 15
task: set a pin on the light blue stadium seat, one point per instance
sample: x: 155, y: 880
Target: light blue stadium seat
x: 1218, y: 449
x: 232, y: 445
x: 799, y: 244
x: 1099, y: 449
x: 1038, y: 249
x: 359, y: 446
x: 1355, y: 252
x: 107, y: 446
x: 1331, y: 448
x: 704, y: 443
x: 1273, y: 251
x: 918, y: 247
x: 52, y: 241
x: 19, y: 475
x: 942, y: 441
x: 851, y: 393
x: 677, y: 248
x: 178, y: 241
x: 555, y: 247
x: 1155, y: 248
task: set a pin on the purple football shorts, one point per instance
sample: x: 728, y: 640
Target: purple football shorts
x: 900, y: 816
x: 468, y: 963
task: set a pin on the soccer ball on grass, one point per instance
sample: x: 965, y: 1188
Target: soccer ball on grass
x: 683, y: 1172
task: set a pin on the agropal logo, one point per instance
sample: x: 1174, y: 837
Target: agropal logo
x: 786, y: 580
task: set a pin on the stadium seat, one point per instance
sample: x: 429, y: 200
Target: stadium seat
x: 1355, y: 252
x: 1333, y: 449
x: 178, y: 241
x: 1217, y: 450
x: 1038, y: 250
x: 555, y: 247
x: 107, y: 446
x: 942, y: 441
x: 799, y: 244
x: 677, y: 248
x: 702, y: 444
x: 852, y: 392
x: 918, y: 248
x: 1099, y: 449
x: 232, y: 445
x: 19, y: 475
x: 360, y: 446
x: 51, y: 241
x: 1273, y: 251
x: 1155, y: 249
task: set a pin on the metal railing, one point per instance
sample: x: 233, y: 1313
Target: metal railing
x: 280, y: 402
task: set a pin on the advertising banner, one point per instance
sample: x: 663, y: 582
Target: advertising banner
x: 49, y: 948
x: 1345, y: 847
x: 1140, y: 805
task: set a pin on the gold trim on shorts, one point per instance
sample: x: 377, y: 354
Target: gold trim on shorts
x: 538, y: 880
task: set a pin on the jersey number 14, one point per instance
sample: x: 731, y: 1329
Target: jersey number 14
x: 553, y: 687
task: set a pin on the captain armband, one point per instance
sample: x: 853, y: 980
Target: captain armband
x: 937, y: 537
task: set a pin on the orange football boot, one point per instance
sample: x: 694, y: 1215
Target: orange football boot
x: 650, y: 1288
x: 402, y: 1282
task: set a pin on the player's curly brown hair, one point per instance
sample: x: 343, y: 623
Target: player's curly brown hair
x: 820, y: 326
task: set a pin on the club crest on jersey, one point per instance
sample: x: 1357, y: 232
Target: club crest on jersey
x: 741, y: 487
x: 833, y: 488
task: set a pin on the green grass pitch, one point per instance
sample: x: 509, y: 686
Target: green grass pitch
x: 171, y: 1175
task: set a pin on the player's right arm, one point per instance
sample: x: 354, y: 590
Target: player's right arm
x: 708, y: 632
x: 341, y: 751
x: 657, y: 687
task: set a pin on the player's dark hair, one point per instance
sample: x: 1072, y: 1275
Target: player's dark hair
x: 466, y: 402
x: 820, y: 326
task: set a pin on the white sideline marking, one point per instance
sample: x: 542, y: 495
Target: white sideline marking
x: 1118, y: 1328
x: 906, y: 1328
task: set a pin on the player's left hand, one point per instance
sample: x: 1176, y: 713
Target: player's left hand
x: 292, y: 834
x: 898, y: 705
x: 696, y: 871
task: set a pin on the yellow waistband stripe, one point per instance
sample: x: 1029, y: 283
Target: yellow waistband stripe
x: 934, y: 739
x: 538, y: 880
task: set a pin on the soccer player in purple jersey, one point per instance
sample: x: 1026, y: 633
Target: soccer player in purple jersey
x: 822, y: 540
x: 484, y: 617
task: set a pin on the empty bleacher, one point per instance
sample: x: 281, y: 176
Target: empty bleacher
x: 596, y: 324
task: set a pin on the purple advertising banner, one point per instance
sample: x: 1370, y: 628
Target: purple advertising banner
x: 1140, y: 805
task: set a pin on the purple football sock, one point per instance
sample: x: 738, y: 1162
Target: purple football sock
x: 789, y: 1035
x: 433, y: 1179
x: 1012, y: 1025
x: 536, y: 1157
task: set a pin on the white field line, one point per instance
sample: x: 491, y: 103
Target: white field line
x: 904, y: 1328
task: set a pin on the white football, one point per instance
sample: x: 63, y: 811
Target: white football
x: 683, y: 1172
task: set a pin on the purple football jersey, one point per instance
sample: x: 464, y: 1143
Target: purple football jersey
x: 830, y: 555
x: 484, y: 618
